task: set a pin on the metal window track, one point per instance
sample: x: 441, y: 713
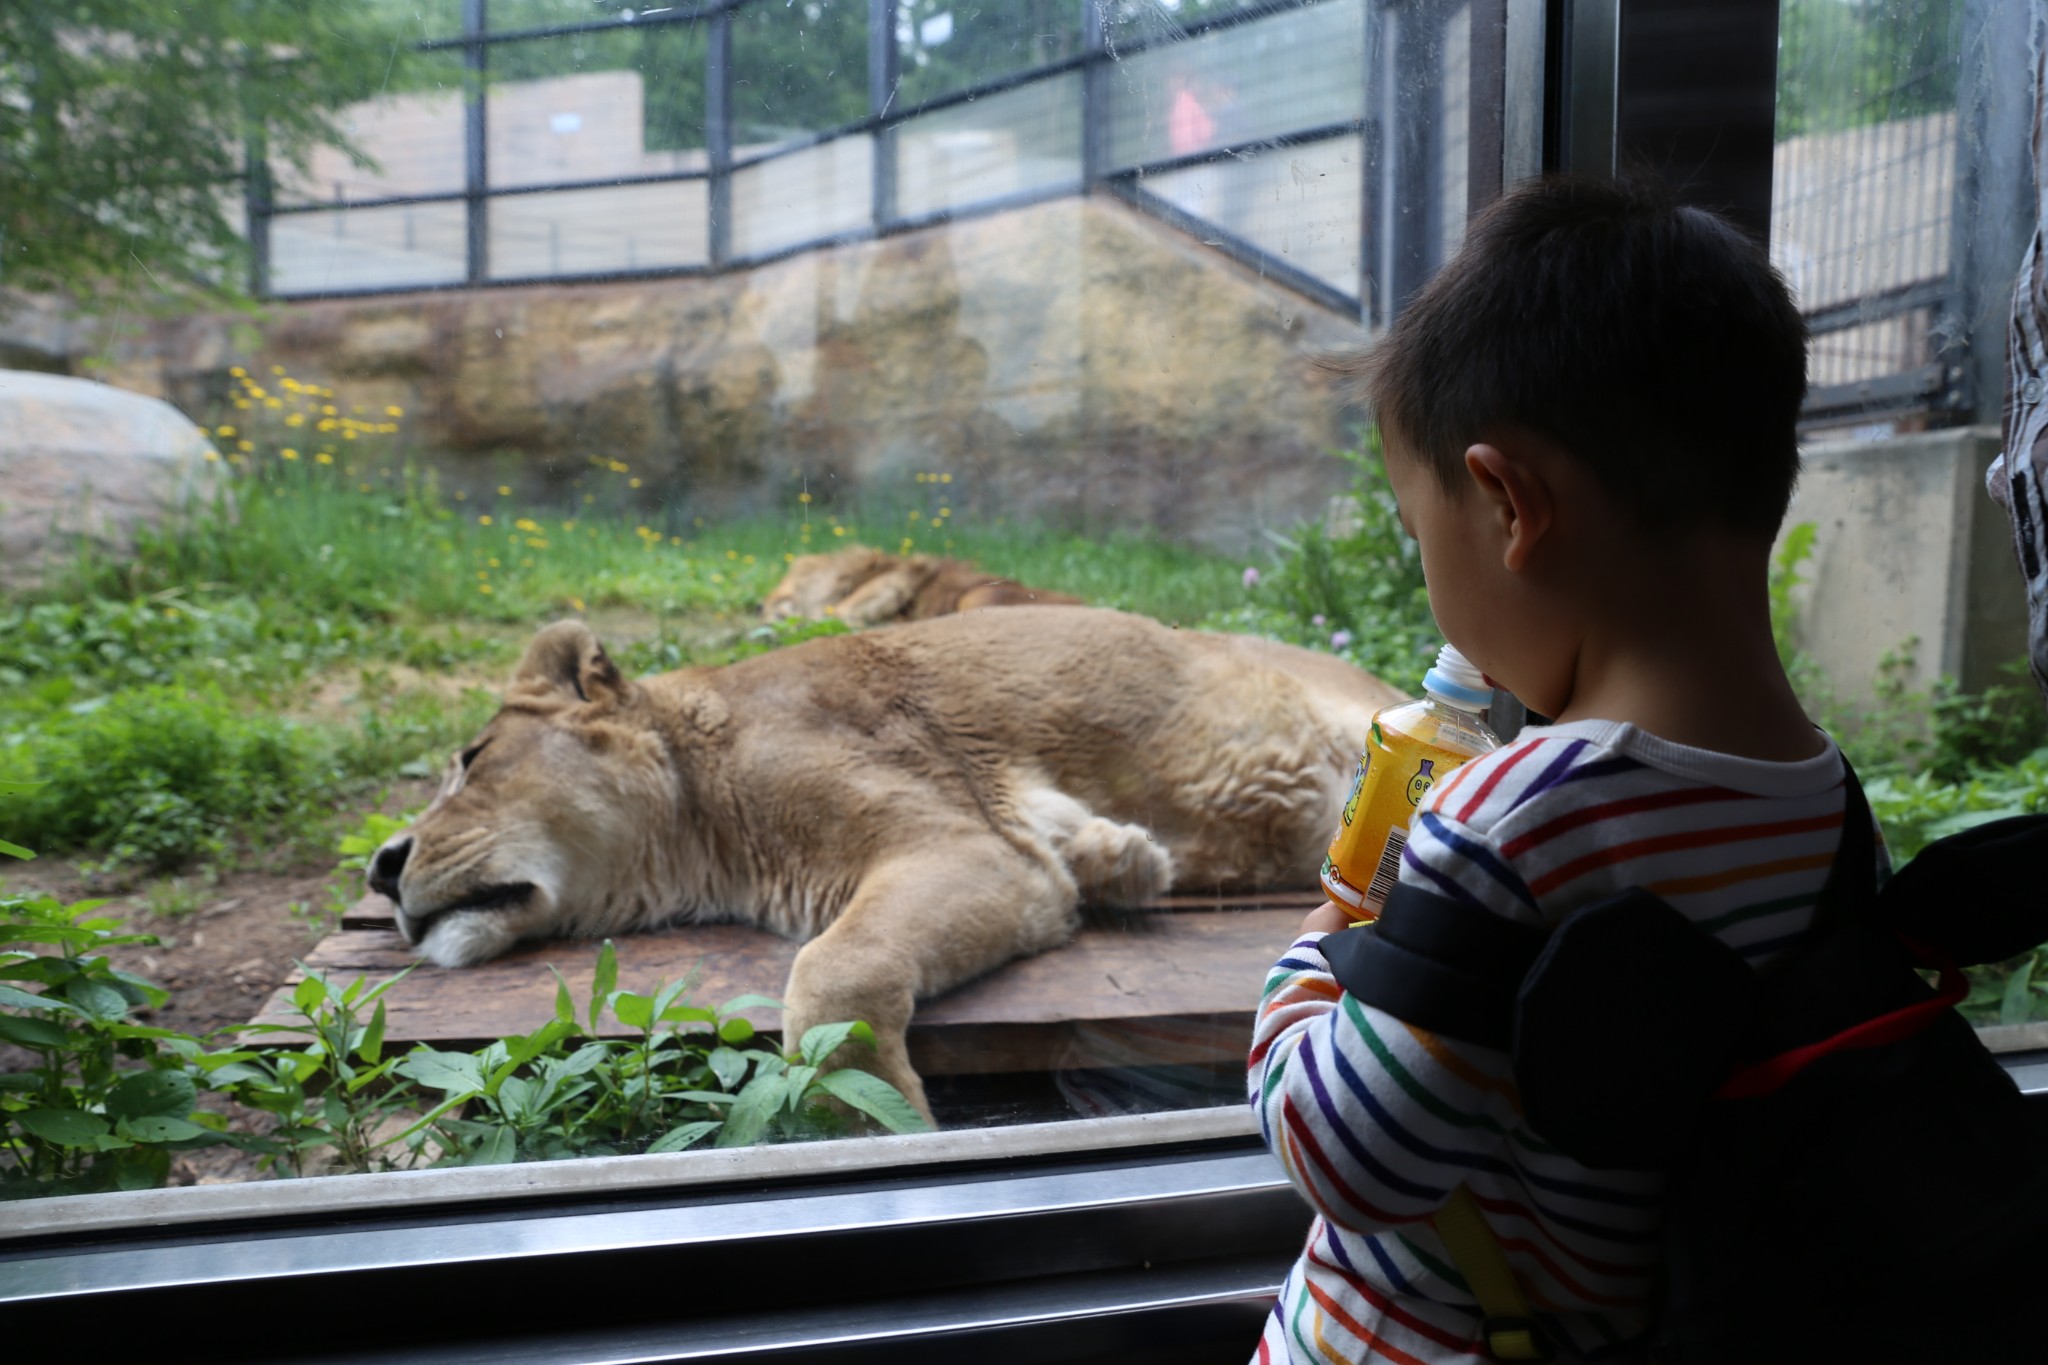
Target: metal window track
x: 1159, y: 1238
x: 1167, y: 1245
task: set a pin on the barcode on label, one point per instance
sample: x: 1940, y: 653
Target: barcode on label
x: 1389, y: 871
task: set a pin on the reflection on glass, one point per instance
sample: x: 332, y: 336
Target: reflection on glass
x: 1303, y: 68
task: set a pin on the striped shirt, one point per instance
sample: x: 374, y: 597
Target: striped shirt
x: 1377, y: 1122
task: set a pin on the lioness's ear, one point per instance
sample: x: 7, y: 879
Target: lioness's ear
x: 566, y: 657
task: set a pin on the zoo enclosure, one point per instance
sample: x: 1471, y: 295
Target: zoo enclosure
x: 661, y: 143
x: 682, y: 140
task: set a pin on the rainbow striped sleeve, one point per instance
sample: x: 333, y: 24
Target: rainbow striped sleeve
x: 1375, y: 1122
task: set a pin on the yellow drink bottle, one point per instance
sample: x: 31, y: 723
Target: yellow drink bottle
x: 1412, y: 747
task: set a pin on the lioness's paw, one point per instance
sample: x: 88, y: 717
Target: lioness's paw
x: 1117, y: 864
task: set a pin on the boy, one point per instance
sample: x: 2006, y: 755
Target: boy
x: 1588, y: 419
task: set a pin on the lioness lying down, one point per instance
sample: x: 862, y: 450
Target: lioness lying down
x: 921, y: 803
x: 865, y: 587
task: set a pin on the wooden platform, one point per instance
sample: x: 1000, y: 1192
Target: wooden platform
x: 1175, y: 982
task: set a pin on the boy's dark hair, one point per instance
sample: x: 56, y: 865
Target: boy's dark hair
x: 1653, y: 341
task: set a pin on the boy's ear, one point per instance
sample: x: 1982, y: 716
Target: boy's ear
x: 1519, y: 501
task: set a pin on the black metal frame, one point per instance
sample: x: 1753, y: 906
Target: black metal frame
x: 884, y: 117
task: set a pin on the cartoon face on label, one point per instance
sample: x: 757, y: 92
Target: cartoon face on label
x: 1357, y: 786
x: 1424, y: 779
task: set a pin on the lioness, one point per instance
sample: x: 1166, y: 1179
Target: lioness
x: 865, y: 587
x: 921, y: 803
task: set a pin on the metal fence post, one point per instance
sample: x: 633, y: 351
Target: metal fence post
x: 1993, y: 219
x: 1094, y: 94
x: 256, y: 198
x: 884, y: 74
x: 718, y: 132
x: 475, y: 156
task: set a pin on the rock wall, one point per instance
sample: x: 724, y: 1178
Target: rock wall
x: 1073, y: 361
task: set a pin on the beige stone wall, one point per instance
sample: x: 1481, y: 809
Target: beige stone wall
x: 1910, y: 556
x: 1074, y: 361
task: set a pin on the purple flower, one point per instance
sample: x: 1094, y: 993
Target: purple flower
x: 1340, y: 639
x: 1316, y: 620
x: 1251, y: 578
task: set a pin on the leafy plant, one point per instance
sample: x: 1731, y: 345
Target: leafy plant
x: 1353, y: 587
x: 690, y: 1073
x: 155, y: 776
x: 335, y: 1090
x: 107, y: 1101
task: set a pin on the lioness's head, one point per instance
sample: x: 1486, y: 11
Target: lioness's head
x: 815, y: 582
x: 547, y: 823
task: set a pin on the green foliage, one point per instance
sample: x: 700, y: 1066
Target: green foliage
x: 156, y: 775
x: 1847, y: 63
x: 1355, y: 590
x: 690, y: 1074
x: 333, y: 1091
x: 123, y: 122
x: 105, y: 1101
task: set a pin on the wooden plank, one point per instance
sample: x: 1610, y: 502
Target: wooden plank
x: 1165, y: 977
x: 376, y: 912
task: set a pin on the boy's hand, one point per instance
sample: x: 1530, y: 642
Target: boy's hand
x: 1325, y: 919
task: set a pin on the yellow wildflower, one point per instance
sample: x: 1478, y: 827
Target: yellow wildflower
x: 324, y: 458
x: 327, y: 410
x: 746, y: 559
x: 576, y: 603
x: 526, y: 524
x: 483, y: 588
x: 289, y: 453
x: 394, y: 411
x: 945, y: 478
x: 295, y: 419
x: 273, y: 403
x: 238, y: 372
x: 245, y: 446
x: 277, y: 369
x: 223, y: 431
x: 839, y: 530
x: 633, y: 483
x: 504, y: 490
x: 213, y: 455
x: 536, y: 542
x: 483, y: 521
x: 803, y: 497
x: 494, y: 564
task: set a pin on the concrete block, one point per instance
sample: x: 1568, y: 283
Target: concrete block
x: 1911, y: 556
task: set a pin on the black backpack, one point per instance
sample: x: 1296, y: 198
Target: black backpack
x: 1851, y: 1176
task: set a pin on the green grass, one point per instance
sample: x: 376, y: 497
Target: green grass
x: 283, y: 653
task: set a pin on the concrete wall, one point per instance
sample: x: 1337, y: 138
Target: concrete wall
x: 1909, y: 552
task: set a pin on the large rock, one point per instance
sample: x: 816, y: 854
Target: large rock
x: 1074, y: 361
x: 83, y: 462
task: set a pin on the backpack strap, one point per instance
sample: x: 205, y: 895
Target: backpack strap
x: 1439, y: 964
x: 1509, y: 1329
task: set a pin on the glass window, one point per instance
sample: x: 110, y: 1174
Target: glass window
x: 1902, y: 199
x: 663, y: 306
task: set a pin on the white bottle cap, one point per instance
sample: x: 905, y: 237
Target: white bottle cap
x: 1456, y: 681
